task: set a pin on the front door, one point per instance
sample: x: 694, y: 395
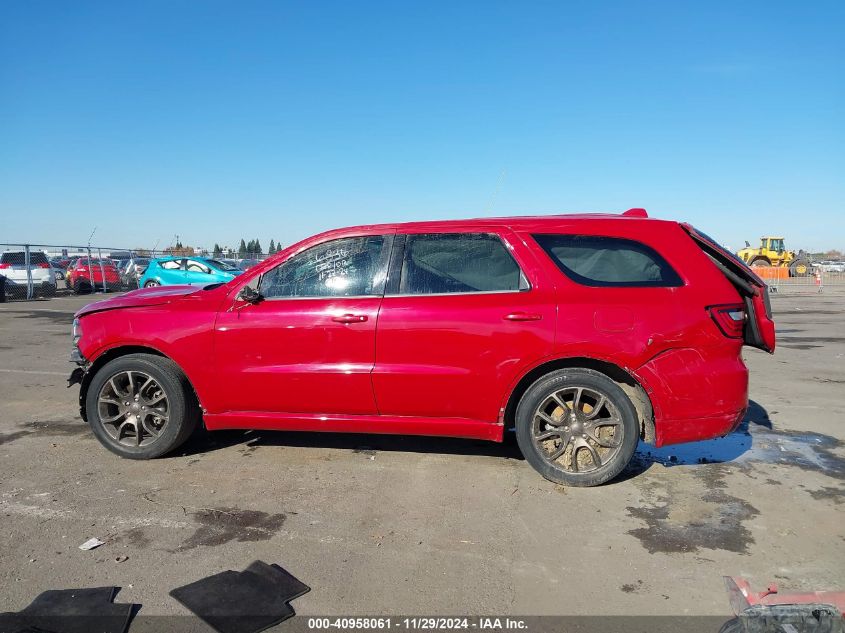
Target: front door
x: 309, y: 345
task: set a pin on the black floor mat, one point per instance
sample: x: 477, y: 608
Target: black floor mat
x: 288, y: 586
x: 71, y: 611
x: 243, y: 602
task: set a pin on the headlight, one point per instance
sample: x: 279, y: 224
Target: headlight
x: 76, y: 332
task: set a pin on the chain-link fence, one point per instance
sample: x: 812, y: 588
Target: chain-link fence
x: 33, y: 271
x: 815, y: 282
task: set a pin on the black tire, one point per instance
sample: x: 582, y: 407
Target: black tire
x: 49, y: 292
x: 799, y: 268
x: 625, y: 420
x: 760, y: 261
x: 183, y: 411
x: 152, y: 283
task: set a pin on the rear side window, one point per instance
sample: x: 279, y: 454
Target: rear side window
x: 18, y: 258
x: 171, y: 264
x: 608, y: 261
x: 444, y: 263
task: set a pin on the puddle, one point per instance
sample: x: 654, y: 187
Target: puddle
x: 680, y: 521
x: 682, y: 524
x: 837, y: 495
x: 222, y: 525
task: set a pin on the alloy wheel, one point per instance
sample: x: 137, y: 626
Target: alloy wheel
x: 133, y: 408
x: 577, y: 429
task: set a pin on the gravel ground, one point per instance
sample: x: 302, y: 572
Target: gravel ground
x: 403, y: 525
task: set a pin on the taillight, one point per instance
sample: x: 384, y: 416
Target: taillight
x: 730, y: 319
x: 43, y: 265
x: 5, y: 265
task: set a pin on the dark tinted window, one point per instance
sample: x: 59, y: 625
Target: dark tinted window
x: 18, y: 258
x: 608, y: 261
x: 346, y: 267
x: 457, y: 262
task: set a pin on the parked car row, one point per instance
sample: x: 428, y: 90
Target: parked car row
x: 830, y: 266
x: 128, y: 272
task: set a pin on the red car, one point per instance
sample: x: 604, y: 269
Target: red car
x: 79, y: 276
x: 587, y: 333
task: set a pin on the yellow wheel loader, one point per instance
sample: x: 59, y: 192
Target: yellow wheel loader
x: 773, y: 253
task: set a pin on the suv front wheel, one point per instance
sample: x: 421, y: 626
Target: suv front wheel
x: 141, y: 406
x: 577, y: 427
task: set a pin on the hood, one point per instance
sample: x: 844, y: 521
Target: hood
x: 140, y: 298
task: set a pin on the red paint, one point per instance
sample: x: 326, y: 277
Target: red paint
x: 82, y: 272
x: 445, y: 364
x: 741, y: 596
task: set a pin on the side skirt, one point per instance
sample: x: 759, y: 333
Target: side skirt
x: 333, y: 423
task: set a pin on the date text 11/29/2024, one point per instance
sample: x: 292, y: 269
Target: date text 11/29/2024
x: 418, y: 623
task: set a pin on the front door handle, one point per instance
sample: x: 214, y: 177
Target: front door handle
x: 350, y: 318
x: 522, y: 316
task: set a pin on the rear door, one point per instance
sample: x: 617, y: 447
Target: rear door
x: 759, y: 327
x: 464, y: 314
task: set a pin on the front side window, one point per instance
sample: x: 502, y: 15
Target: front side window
x: 347, y: 267
x: 439, y: 263
x: 593, y: 260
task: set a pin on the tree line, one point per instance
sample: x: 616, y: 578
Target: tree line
x: 249, y: 249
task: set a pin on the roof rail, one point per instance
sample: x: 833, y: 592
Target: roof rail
x: 636, y: 212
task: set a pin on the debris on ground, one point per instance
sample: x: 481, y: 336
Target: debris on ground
x: 91, y: 543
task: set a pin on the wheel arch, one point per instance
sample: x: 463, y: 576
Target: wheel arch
x: 117, y: 352
x: 629, y: 384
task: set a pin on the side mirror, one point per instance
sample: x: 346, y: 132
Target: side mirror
x: 250, y: 295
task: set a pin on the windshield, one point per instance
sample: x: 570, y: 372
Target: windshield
x: 220, y: 264
x: 777, y: 245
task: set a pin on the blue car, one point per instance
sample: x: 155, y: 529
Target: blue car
x: 195, y: 271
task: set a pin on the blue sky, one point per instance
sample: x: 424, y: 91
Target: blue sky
x: 221, y: 120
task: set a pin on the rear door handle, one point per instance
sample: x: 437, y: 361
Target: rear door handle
x: 522, y: 316
x: 350, y: 318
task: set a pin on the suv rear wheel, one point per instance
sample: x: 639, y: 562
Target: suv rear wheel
x: 141, y: 406
x: 577, y: 427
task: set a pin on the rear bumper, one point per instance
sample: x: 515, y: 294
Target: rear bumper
x: 697, y: 394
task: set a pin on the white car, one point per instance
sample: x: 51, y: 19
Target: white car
x: 831, y: 266
x: 13, y: 268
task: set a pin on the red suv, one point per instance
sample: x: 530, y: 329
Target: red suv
x: 79, y: 276
x: 587, y: 333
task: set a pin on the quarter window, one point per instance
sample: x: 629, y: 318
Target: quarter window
x: 438, y: 263
x: 608, y: 261
x: 340, y: 268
